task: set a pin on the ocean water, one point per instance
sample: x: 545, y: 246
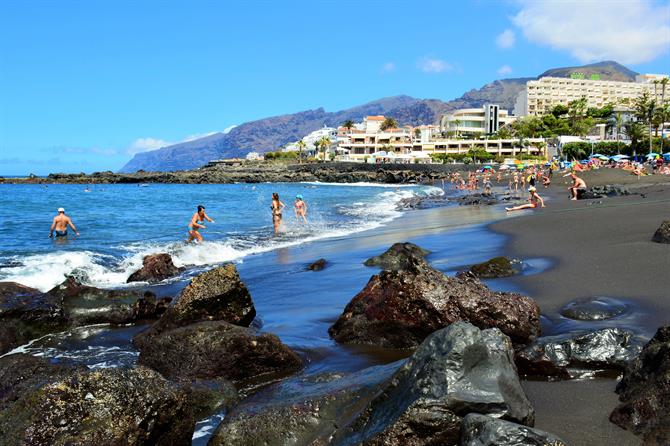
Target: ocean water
x: 120, y: 224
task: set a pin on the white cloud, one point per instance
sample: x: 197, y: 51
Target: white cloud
x: 506, y: 39
x: 145, y: 145
x: 628, y: 32
x: 505, y: 70
x: 388, y: 67
x: 432, y: 65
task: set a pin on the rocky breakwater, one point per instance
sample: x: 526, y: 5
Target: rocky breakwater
x: 45, y: 404
x: 408, y: 301
x: 27, y: 313
x: 205, y: 336
x: 644, y: 392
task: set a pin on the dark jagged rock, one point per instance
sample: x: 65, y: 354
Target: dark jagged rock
x: 216, y: 349
x: 110, y: 406
x: 600, y: 350
x: 304, y: 410
x: 607, y: 190
x: 318, y: 265
x: 455, y: 371
x: 215, y: 295
x: 155, y: 268
x: 495, y: 268
x: 482, y: 430
x: 476, y: 199
x: 210, y: 396
x: 398, y: 309
x: 13, y: 289
x: 644, y: 392
x: 397, y: 257
x: 662, y: 234
x: 594, y: 309
x: 20, y: 373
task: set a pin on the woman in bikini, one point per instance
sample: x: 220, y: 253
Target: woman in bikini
x: 533, y: 199
x: 197, y: 222
x: 276, y: 208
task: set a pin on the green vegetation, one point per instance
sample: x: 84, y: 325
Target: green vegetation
x: 348, y: 124
x: 389, y: 123
x: 271, y: 156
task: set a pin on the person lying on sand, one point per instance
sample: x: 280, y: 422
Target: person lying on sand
x: 60, y: 224
x: 533, y: 199
x: 197, y: 223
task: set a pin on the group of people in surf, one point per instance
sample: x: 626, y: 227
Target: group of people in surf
x: 61, y: 222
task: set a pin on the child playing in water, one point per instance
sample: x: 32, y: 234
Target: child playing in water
x: 300, y: 208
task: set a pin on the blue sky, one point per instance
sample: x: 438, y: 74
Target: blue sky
x: 84, y: 85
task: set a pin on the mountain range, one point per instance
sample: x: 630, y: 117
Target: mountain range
x: 270, y: 134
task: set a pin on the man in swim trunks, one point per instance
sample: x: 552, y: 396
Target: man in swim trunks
x: 300, y: 208
x: 197, y: 223
x: 60, y: 224
x: 577, y: 186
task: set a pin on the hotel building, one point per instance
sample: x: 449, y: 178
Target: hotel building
x: 541, y: 95
x: 370, y: 138
x: 475, y: 122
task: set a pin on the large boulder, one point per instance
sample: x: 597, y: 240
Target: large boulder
x: 155, y: 268
x: 215, y: 295
x: 110, y: 406
x: 455, y: 371
x: 20, y: 372
x: 397, y: 257
x: 301, y: 411
x: 644, y: 392
x: 317, y: 265
x: 13, y: 289
x: 662, y: 234
x: 564, y: 355
x: 216, y: 349
x: 495, y: 268
x: 398, y: 309
x: 482, y: 430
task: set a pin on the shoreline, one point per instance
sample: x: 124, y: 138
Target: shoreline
x: 598, y: 248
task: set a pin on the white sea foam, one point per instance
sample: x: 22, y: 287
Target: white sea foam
x: 45, y: 271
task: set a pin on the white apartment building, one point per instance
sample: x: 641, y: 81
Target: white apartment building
x: 312, y: 138
x: 541, y: 95
x: 370, y: 138
x: 475, y: 122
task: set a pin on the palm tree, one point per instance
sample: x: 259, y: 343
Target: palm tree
x: 348, y: 124
x: 457, y: 122
x: 635, y: 132
x: 389, y: 123
x: 644, y: 111
x: 301, y: 147
x: 324, y: 143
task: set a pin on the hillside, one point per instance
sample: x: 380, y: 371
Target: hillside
x: 269, y: 134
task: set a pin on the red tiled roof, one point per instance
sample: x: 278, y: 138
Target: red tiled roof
x: 375, y: 118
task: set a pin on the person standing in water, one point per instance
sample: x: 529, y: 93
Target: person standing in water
x: 197, y: 223
x: 60, y: 224
x: 300, y: 208
x: 276, y: 208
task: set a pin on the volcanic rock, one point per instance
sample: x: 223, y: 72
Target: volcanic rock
x: 397, y: 257
x: 215, y: 295
x: 216, y: 349
x: 155, y: 268
x: 13, y: 289
x: 110, y: 406
x: 477, y: 199
x: 455, y: 371
x: 482, y: 430
x: 644, y: 392
x: 495, y: 268
x: 662, y: 234
x: 605, y: 349
x: 318, y: 265
x: 594, y: 309
x: 303, y: 410
x: 398, y: 309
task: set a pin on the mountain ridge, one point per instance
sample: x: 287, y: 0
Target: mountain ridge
x: 268, y: 134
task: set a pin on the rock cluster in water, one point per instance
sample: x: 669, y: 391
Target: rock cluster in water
x: 155, y: 268
x: 496, y: 267
x: 662, y: 234
x: 398, y: 308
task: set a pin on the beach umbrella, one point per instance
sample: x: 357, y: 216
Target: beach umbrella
x: 600, y: 157
x: 652, y: 155
x: 504, y: 167
x: 619, y: 157
x: 380, y: 153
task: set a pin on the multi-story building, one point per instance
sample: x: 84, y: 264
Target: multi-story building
x: 476, y: 122
x: 370, y: 138
x: 541, y: 95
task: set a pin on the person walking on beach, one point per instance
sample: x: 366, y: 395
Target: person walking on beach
x: 534, y: 199
x: 300, y: 208
x: 197, y: 223
x: 514, y: 180
x: 276, y: 208
x: 60, y: 224
x: 577, y: 186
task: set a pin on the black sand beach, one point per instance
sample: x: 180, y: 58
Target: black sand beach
x: 599, y: 247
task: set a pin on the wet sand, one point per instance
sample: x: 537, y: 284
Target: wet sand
x: 598, y: 248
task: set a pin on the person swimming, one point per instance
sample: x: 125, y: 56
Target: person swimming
x: 300, y: 208
x: 276, y: 208
x: 197, y: 222
x: 60, y: 224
